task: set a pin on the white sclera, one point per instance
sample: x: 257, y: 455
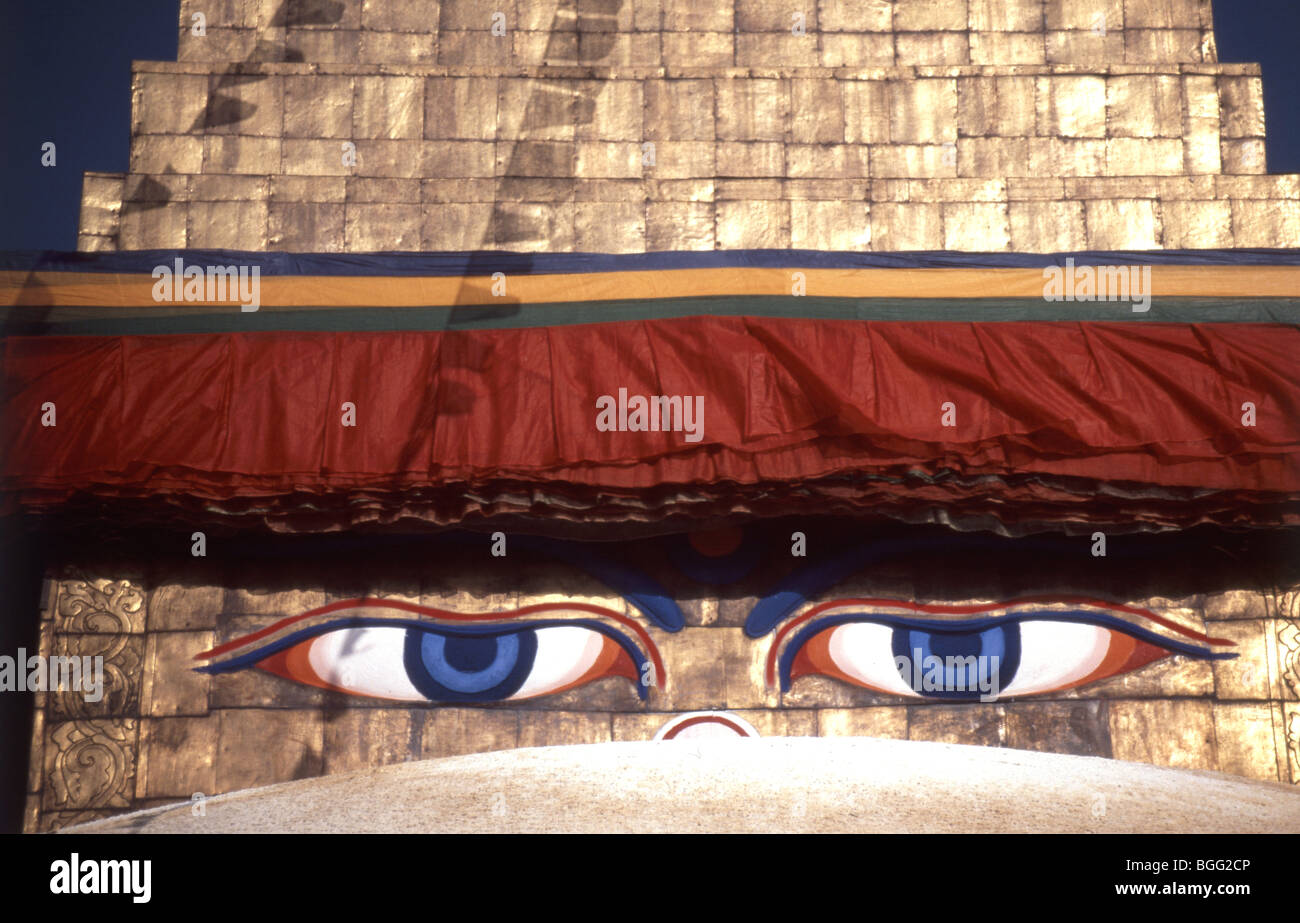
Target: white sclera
x: 564, y: 653
x: 1056, y: 654
x: 865, y: 651
x: 365, y: 661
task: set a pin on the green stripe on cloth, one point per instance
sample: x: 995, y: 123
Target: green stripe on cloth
x: 180, y: 319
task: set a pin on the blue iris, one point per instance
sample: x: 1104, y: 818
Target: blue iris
x: 469, y: 667
x: 957, y: 664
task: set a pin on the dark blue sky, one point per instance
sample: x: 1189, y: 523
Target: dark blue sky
x: 66, y: 68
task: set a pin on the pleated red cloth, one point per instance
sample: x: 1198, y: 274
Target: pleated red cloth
x: 1052, y: 421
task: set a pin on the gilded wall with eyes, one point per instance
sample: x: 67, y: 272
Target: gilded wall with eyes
x: 164, y: 731
x: 610, y: 126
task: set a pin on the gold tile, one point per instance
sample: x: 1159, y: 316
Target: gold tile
x: 855, y: 15
x: 1175, y: 733
x: 923, y: 111
x: 463, y: 108
x: 1163, y: 14
x: 929, y: 15
x: 167, y: 154
x: 1076, y: 46
x: 393, y: 17
x: 610, y: 227
x: 218, y: 188
x: 240, y: 154
x: 533, y: 227
x: 743, y: 661
x: 1196, y: 225
x: 1073, y: 107
x: 167, y: 103
x: 698, y: 49
x: 1122, y: 224
x: 287, y: 189
x: 679, y: 110
x: 610, y: 110
x: 974, y: 724
x: 679, y: 225
x: 976, y: 226
x: 536, y: 110
x: 608, y: 159
x: 785, y: 722
x: 839, y: 226
x: 1047, y: 227
x: 865, y: 49
x: 1144, y: 156
x: 389, y: 107
x: 866, y: 111
x: 171, y: 685
x: 177, y: 757
x: 555, y: 728
x: 261, y: 746
x: 753, y: 225
x: 1144, y: 106
x: 1262, y: 223
x: 462, y: 159
x: 457, y: 731
x: 906, y: 227
x: 1006, y: 15
x: 690, y: 16
x: 885, y: 722
x: 752, y: 109
x: 932, y: 48
x: 477, y: 48
x: 694, y: 681
x: 361, y: 738
x: 1095, y: 15
x: 741, y: 159
x: 1244, y: 741
x: 1079, y: 728
x: 1246, y: 155
x: 396, y: 48
x: 982, y: 157
x: 1167, y: 46
x: 639, y: 726
x: 914, y: 160
x: 228, y: 225
x: 311, y: 226
x: 817, y: 111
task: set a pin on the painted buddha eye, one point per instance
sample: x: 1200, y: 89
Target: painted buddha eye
x: 985, y: 653
x: 388, y: 650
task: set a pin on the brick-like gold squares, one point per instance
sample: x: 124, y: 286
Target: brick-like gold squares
x: 888, y: 722
x: 177, y: 757
x: 1173, y: 732
x: 1073, y: 107
x: 261, y: 746
x: 171, y: 686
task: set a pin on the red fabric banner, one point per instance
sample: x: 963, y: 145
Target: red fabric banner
x: 784, y: 402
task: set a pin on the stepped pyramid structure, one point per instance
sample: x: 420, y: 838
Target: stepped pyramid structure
x: 608, y: 126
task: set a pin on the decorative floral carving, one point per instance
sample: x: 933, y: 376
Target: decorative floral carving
x: 1288, y: 655
x: 90, y: 764
x: 100, y: 606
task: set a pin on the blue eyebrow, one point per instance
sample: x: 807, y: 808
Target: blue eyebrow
x: 813, y: 579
